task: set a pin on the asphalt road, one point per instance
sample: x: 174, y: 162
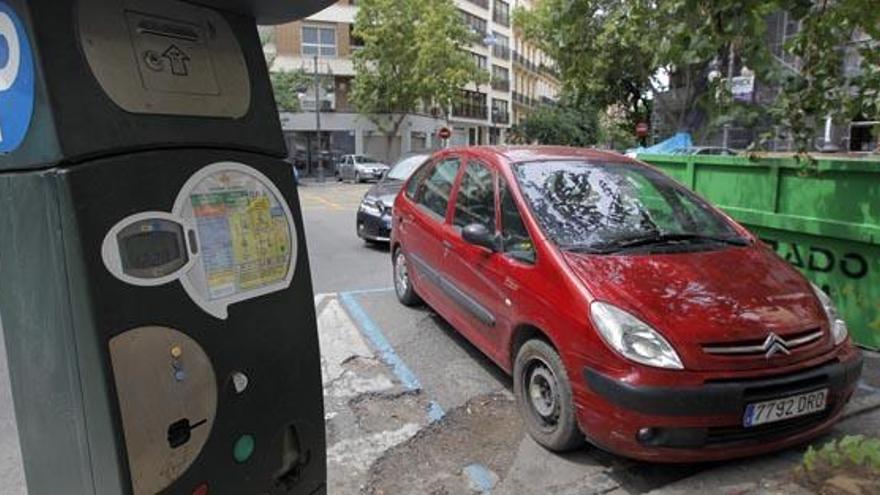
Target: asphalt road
x: 412, y: 407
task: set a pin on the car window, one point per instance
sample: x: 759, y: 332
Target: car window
x: 433, y: 193
x: 405, y: 167
x: 515, y: 239
x: 475, y: 202
x: 417, y: 178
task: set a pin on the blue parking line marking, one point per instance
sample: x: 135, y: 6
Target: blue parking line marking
x: 358, y: 292
x: 869, y: 388
x: 435, y: 412
x: 480, y: 477
x: 380, y: 343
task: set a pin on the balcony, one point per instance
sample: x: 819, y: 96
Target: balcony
x: 524, y: 100
x: 470, y: 112
x: 522, y: 61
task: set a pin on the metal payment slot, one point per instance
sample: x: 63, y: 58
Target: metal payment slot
x: 166, y: 390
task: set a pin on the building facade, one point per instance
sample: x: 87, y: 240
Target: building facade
x: 535, y: 77
x: 854, y: 134
x: 482, y: 114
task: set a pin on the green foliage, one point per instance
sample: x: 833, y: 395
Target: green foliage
x: 855, y: 450
x: 610, y: 51
x: 413, y: 56
x: 287, y: 85
x: 562, y: 124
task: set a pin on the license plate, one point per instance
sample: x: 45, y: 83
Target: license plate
x: 771, y: 411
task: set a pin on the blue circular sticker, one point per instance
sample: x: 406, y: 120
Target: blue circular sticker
x: 16, y: 80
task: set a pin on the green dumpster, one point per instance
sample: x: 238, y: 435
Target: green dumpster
x: 823, y: 218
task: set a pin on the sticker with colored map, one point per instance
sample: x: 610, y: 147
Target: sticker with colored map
x: 244, y: 236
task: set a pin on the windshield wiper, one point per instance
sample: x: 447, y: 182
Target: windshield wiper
x: 653, y: 239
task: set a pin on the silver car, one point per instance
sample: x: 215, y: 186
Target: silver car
x: 360, y: 168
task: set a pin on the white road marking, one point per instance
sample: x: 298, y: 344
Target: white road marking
x: 339, y: 339
x: 360, y: 453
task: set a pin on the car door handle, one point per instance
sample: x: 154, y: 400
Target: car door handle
x: 447, y: 244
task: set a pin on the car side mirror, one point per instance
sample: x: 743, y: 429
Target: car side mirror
x: 478, y: 235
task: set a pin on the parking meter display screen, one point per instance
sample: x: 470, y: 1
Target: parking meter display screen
x: 152, y: 248
x: 244, y: 233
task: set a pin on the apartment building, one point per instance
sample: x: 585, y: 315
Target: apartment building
x: 854, y: 134
x: 535, y: 77
x: 520, y: 78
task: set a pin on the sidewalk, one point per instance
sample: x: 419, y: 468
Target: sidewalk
x: 774, y: 474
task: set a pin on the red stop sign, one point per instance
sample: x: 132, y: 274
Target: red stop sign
x: 641, y: 129
x: 444, y: 133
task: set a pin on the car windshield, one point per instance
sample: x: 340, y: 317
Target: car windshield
x: 364, y: 159
x: 605, y: 207
x: 404, y: 168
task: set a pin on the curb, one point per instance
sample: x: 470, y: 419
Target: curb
x: 860, y: 405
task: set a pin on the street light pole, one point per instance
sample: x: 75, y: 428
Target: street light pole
x: 730, y: 65
x: 318, y: 121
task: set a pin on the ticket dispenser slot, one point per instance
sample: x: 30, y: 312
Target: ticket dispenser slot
x: 166, y: 389
x: 165, y: 57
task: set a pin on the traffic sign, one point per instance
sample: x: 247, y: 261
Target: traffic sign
x: 444, y: 133
x: 16, y: 80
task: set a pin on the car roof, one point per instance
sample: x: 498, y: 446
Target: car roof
x: 518, y: 154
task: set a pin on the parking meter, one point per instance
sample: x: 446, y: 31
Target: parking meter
x: 156, y: 306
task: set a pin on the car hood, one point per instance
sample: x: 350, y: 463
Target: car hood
x: 386, y: 190
x: 731, y: 296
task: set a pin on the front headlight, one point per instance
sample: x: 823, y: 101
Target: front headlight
x: 839, y: 331
x: 633, y: 338
x: 371, y: 206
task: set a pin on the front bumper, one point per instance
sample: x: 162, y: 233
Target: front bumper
x: 706, y: 422
x: 374, y: 227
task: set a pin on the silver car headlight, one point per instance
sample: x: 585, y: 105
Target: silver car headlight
x: 839, y: 330
x: 633, y: 338
x: 370, y: 205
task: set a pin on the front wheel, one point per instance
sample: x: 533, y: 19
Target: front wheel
x: 357, y: 178
x: 406, y: 294
x: 543, y: 394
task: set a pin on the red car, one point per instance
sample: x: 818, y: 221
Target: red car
x: 629, y: 311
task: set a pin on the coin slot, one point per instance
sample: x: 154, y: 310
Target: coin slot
x: 180, y: 432
x: 293, y: 460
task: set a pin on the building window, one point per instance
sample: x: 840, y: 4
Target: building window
x: 480, y: 3
x: 470, y: 104
x: 356, y: 41
x: 500, y: 78
x: 501, y: 13
x: 499, y: 111
x: 319, y: 40
x: 501, y: 48
x: 479, y: 60
x: 477, y: 25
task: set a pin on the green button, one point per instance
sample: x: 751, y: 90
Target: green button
x: 244, y: 448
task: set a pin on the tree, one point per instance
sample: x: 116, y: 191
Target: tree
x: 612, y: 51
x: 566, y: 123
x: 287, y: 86
x: 412, y: 57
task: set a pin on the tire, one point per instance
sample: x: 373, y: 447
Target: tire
x: 549, y: 416
x: 357, y: 178
x: 403, y: 287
